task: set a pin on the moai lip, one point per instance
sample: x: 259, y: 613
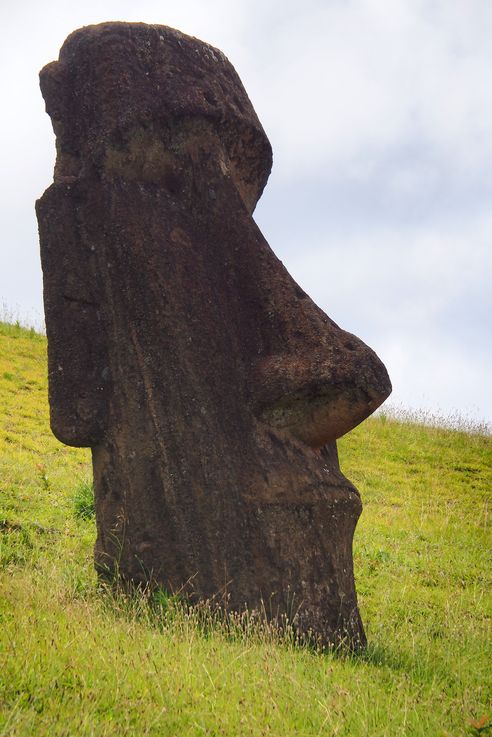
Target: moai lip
x: 209, y: 386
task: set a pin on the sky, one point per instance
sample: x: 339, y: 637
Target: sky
x: 380, y: 199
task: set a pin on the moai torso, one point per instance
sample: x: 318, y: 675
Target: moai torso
x: 209, y: 386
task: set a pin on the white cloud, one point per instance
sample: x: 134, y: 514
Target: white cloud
x: 371, y: 75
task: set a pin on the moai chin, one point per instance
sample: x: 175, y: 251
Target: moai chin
x: 208, y: 385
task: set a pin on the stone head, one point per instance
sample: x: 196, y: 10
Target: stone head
x: 209, y: 386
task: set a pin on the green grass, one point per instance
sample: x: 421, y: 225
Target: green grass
x: 84, y: 506
x: 77, y: 659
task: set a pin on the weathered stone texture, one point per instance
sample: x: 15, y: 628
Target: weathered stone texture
x: 209, y: 386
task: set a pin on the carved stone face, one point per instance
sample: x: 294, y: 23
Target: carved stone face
x: 209, y: 386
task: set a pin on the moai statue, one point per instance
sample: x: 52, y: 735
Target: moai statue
x: 208, y: 385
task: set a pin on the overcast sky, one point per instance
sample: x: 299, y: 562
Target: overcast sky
x: 380, y: 117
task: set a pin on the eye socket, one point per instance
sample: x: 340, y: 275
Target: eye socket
x: 210, y: 98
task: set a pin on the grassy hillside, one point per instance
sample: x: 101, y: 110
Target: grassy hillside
x: 77, y: 660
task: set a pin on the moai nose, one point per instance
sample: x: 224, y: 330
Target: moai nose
x: 318, y: 381
x: 319, y: 395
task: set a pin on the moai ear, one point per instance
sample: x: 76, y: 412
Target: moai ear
x: 78, y: 369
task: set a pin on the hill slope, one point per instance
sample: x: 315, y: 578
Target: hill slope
x: 77, y: 660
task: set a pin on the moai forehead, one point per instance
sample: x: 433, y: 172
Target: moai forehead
x: 127, y: 84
